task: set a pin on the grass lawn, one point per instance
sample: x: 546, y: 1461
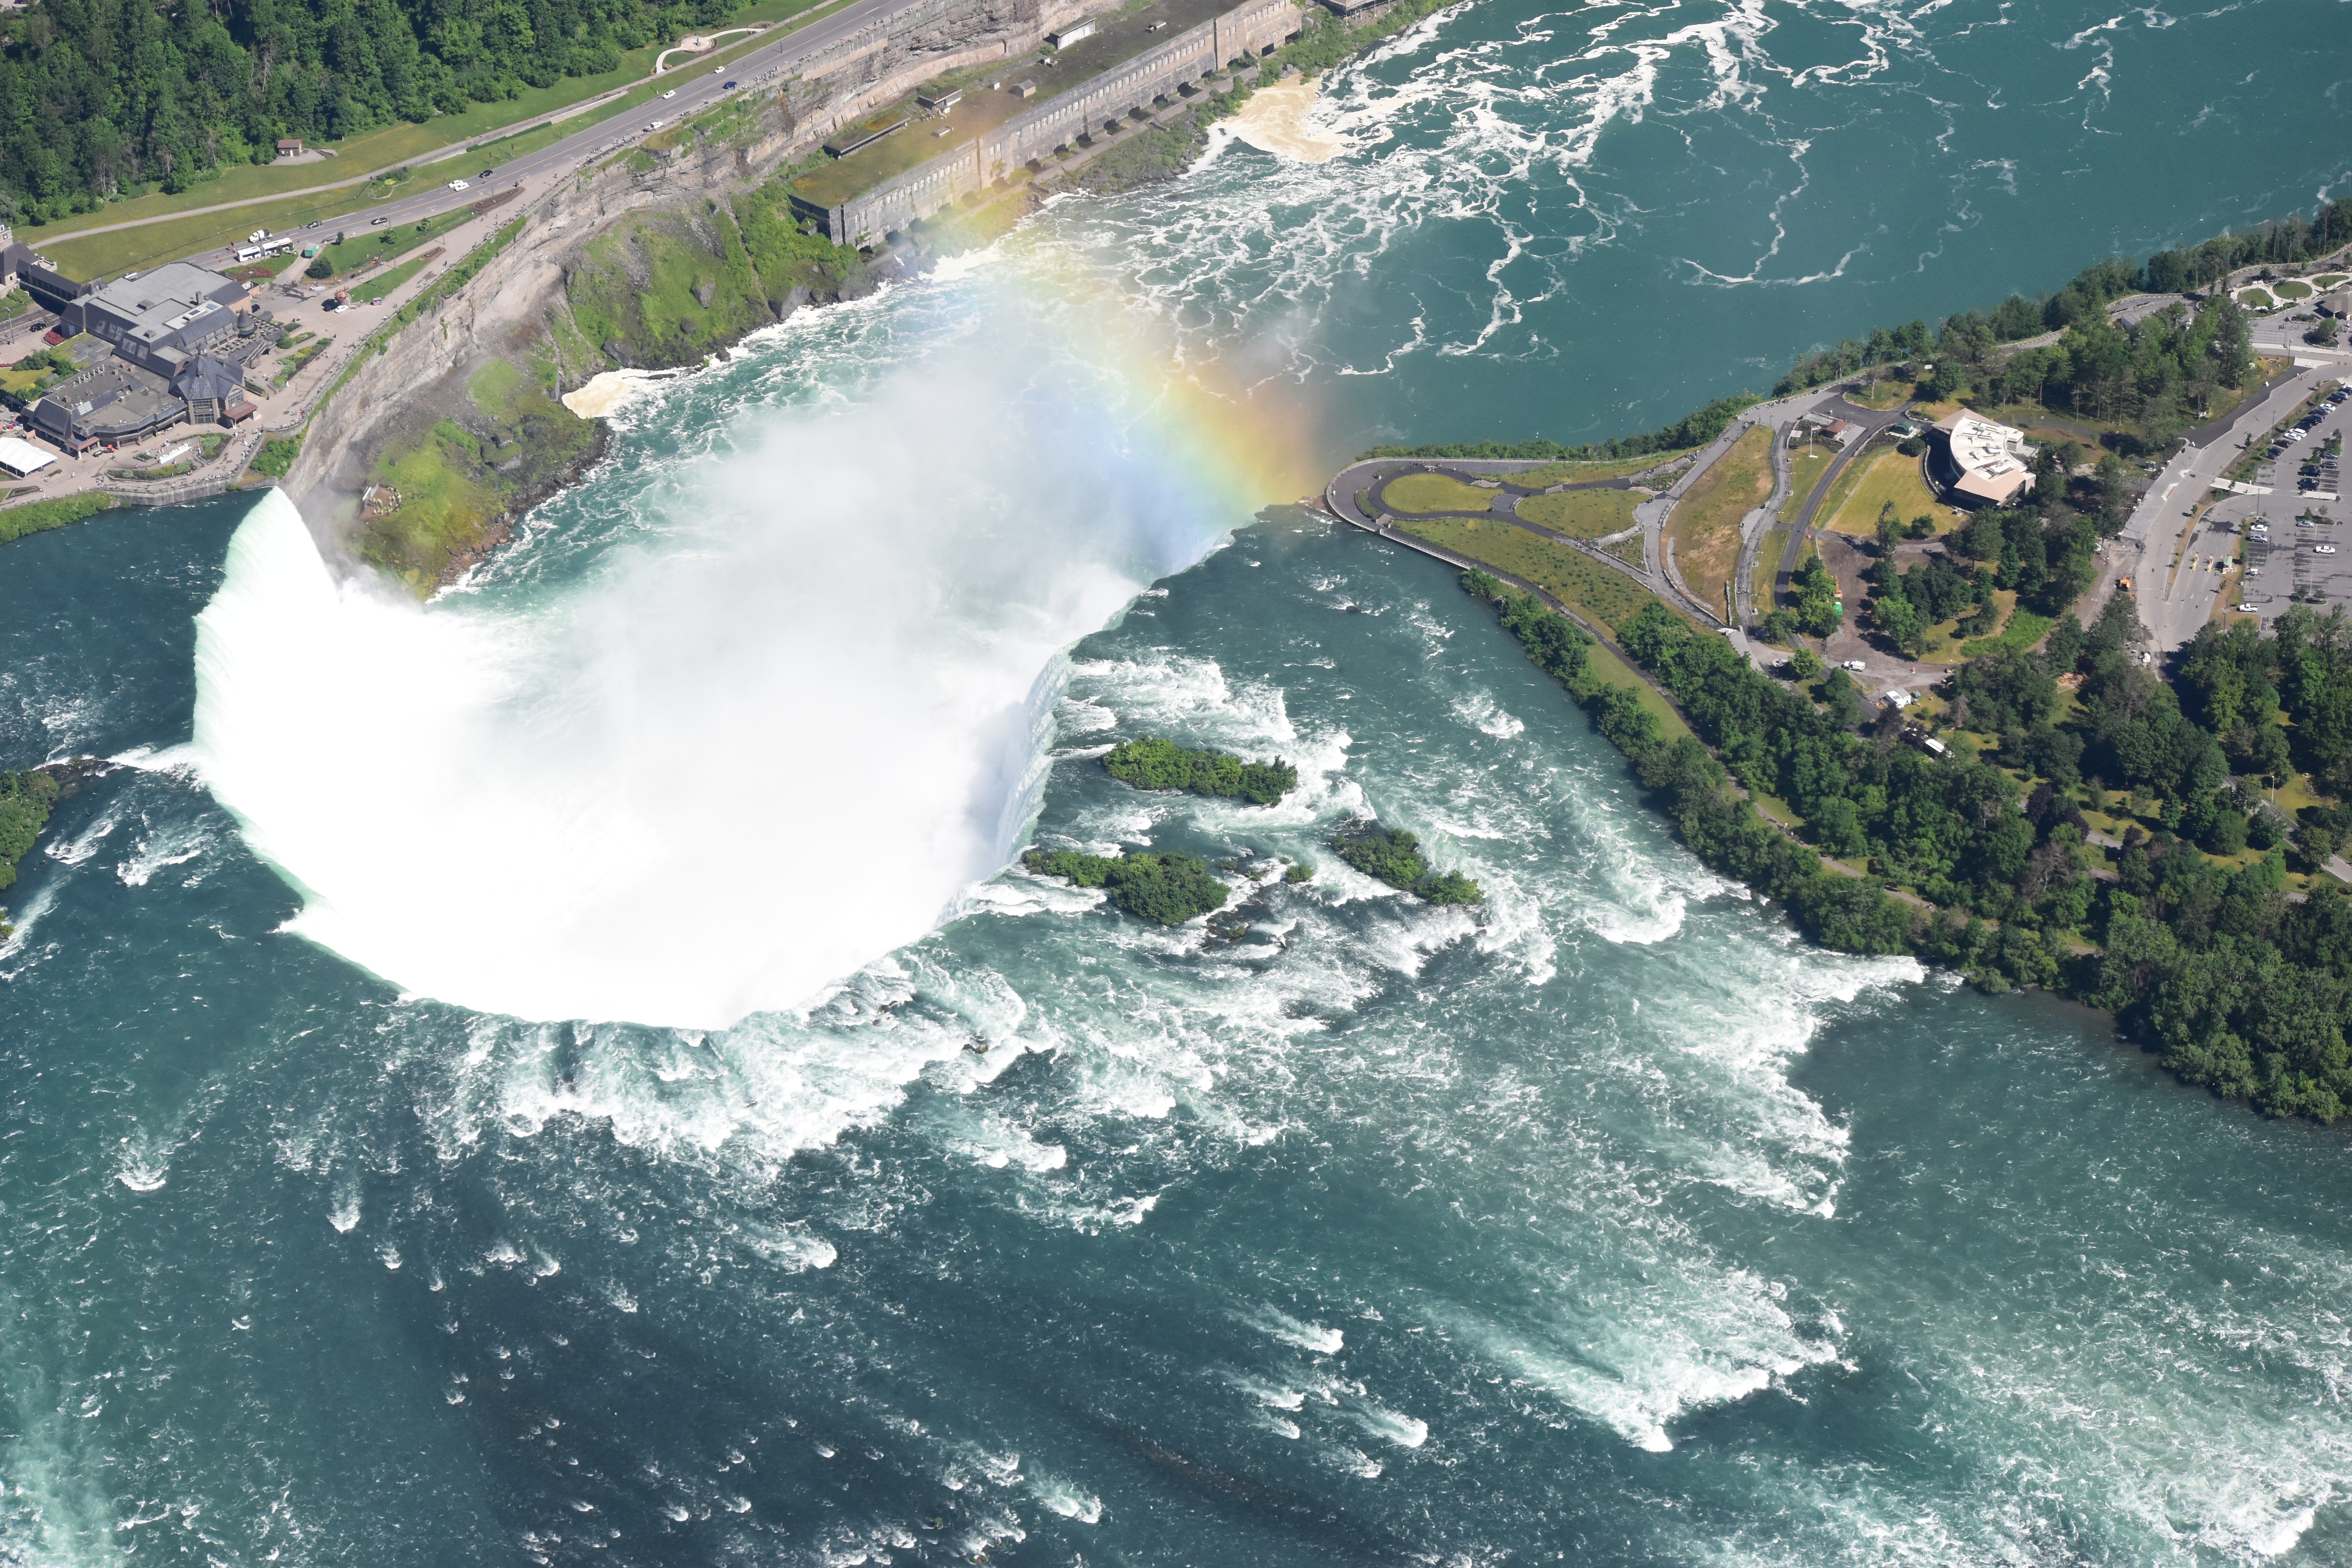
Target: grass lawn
x: 2256, y: 298
x: 14, y: 303
x: 1705, y: 524
x: 1435, y: 492
x: 2024, y: 629
x: 1840, y: 488
x: 365, y: 248
x: 1891, y: 394
x: 376, y: 285
x: 1584, y: 473
x: 1598, y: 593
x: 1768, y: 569
x: 1889, y: 477
x: 2289, y: 288
x: 1582, y: 514
x: 2330, y: 281
x: 1807, y: 464
x: 405, y: 143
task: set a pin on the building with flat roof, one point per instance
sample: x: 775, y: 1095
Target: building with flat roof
x: 1983, y: 463
x: 159, y: 319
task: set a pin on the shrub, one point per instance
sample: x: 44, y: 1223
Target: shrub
x: 1156, y: 763
x: 1394, y: 858
x: 1167, y: 889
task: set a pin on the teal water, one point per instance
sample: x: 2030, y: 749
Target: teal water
x: 929, y: 1212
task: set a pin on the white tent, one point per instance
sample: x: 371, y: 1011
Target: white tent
x: 20, y: 457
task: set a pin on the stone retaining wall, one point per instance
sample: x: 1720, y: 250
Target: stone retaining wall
x: 1243, y: 33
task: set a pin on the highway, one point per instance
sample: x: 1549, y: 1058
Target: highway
x: 697, y: 89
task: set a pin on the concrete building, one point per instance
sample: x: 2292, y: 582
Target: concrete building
x: 212, y: 392
x: 1252, y: 29
x: 159, y: 319
x: 1982, y: 463
x: 23, y: 264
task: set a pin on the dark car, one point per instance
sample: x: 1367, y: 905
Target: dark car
x: 726, y: 86
x: 486, y: 173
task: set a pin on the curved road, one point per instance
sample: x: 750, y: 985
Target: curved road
x: 1371, y: 477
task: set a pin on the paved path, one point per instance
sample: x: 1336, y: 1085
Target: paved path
x: 1370, y: 479
x: 1868, y: 422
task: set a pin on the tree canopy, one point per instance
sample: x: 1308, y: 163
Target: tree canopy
x: 106, y: 98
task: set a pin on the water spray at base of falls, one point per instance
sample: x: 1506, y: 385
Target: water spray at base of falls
x: 785, y: 704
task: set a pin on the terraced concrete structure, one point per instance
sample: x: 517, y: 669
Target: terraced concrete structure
x: 1249, y: 30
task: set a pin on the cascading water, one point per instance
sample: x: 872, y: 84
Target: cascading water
x: 821, y: 636
x: 1610, y: 1225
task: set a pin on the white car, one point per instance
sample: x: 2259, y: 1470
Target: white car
x: 2322, y: 550
x: 2246, y: 610
x: 671, y: 94
x: 1854, y: 664
x: 456, y: 184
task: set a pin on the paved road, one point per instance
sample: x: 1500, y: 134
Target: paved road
x: 2172, y: 607
x: 1371, y: 477
x: 694, y: 90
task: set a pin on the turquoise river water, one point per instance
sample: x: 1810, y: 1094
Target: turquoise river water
x: 563, y: 1075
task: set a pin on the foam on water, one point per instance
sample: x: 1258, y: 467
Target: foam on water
x: 500, y: 799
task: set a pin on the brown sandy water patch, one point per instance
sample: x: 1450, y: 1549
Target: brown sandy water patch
x: 1274, y: 120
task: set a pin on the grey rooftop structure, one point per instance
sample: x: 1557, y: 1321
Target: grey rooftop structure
x: 159, y: 318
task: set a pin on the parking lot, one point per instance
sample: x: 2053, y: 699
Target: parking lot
x: 2296, y: 547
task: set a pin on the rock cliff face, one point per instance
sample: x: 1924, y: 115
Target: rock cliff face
x: 653, y: 257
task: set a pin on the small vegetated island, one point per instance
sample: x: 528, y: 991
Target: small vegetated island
x: 1393, y: 856
x: 1156, y: 763
x: 1168, y: 890
x: 25, y: 798
x: 2153, y: 839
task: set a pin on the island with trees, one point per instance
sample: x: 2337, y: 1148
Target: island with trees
x: 1157, y: 763
x: 1167, y: 889
x: 1393, y: 856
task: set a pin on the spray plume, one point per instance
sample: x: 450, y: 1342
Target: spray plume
x: 759, y: 702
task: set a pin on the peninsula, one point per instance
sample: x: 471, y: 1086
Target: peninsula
x: 1961, y: 646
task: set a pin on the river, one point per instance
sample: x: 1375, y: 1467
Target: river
x: 562, y: 1075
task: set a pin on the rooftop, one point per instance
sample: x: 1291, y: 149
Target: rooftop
x: 1989, y: 456
x: 1117, y: 39
x: 165, y: 300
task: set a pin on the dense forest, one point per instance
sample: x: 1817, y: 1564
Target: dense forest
x: 107, y: 98
x: 2191, y: 937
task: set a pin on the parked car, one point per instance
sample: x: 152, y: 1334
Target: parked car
x: 2322, y: 550
x: 1854, y: 664
x: 2246, y: 609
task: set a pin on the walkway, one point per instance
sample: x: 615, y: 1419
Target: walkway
x: 1370, y: 479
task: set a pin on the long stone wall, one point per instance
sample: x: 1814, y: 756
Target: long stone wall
x: 1243, y: 33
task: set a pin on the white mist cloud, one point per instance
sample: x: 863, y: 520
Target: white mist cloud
x: 767, y: 734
